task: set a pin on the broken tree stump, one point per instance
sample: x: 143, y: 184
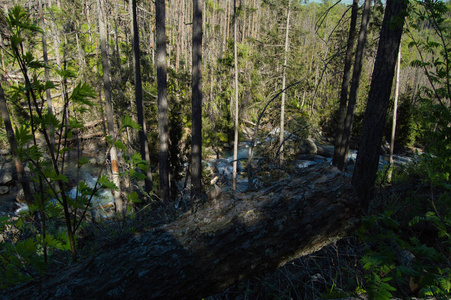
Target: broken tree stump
x: 207, y: 251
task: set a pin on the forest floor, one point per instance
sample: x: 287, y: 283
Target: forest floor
x: 334, y: 272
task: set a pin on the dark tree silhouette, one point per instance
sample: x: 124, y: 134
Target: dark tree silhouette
x: 339, y: 147
x: 163, y: 133
x: 196, y: 143
x: 143, y: 147
x: 364, y: 176
x: 347, y: 125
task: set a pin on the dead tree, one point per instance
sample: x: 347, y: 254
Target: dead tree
x: 207, y: 251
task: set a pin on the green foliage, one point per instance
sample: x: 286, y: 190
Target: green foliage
x: 40, y: 235
x: 406, y: 129
x: 392, y: 257
x: 23, y: 260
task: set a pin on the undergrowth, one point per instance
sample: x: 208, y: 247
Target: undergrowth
x: 401, y: 250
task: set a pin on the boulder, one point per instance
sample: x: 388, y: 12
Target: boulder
x: 308, y: 147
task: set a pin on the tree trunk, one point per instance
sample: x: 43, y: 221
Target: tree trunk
x: 21, y: 176
x: 143, y: 147
x: 163, y: 142
x: 203, y: 253
x: 347, y: 126
x: 339, y: 149
x: 48, y: 96
x: 196, y: 143
x: 108, y: 103
x: 395, y: 110
x: 364, y: 176
x: 235, y: 55
x: 284, y: 79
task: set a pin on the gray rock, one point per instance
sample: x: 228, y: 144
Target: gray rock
x: 6, y: 178
x: 308, y: 147
x: 4, y: 190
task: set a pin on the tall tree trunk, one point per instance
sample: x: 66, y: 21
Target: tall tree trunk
x: 339, y: 151
x: 235, y: 55
x: 2, y: 55
x: 364, y: 176
x: 196, y: 144
x: 205, y: 252
x: 347, y: 128
x: 395, y: 110
x: 284, y: 80
x: 48, y: 96
x: 108, y: 103
x: 163, y: 143
x: 13, y: 144
x: 143, y: 147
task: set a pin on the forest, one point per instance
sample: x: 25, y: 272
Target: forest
x: 225, y: 149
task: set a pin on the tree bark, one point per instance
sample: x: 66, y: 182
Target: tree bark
x: 395, y: 111
x: 21, y: 176
x: 48, y: 96
x: 143, y: 147
x: 235, y: 55
x: 347, y: 126
x: 203, y: 253
x: 339, y: 149
x: 108, y: 102
x: 196, y: 143
x: 284, y: 80
x: 163, y: 135
x: 364, y: 176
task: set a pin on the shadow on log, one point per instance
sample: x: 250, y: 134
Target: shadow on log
x: 205, y: 252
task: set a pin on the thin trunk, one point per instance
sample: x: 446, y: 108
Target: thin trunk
x: 235, y: 54
x: 143, y: 147
x: 346, y: 138
x: 395, y: 110
x: 284, y: 80
x: 81, y: 57
x: 179, y: 37
x: 63, y: 82
x: 339, y: 149
x: 253, y: 35
x: 13, y: 144
x: 48, y: 96
x: 2, y: 56
x: 163, y: 142
x: 116, y: 41
x: 109, y: 104
x: 227, y: 20
x: 364, y: 176
x: 196, y: 144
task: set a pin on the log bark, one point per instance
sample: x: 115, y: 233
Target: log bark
x: 207, y: 251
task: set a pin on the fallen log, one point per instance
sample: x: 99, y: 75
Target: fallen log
x: 206, y: 251
x: 83, y: 137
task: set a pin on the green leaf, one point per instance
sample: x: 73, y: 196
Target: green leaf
x: 127, y: 121
x: 82, y: 161
x: 109, y: 139
x: 49, y: 85
x: 106, y: 183
x: 133, y: 197
x: 26, y: 248
x: 65, y: 73
x: 23, y: 135
x: 120, y: 145
x: 75, y: 124
x: 61, y: 177
x: 82, y: 94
